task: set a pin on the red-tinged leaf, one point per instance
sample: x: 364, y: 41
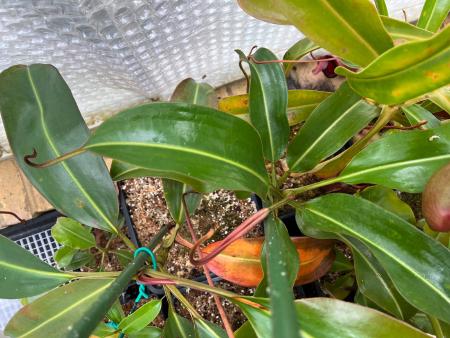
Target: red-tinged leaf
x: 240, y: 262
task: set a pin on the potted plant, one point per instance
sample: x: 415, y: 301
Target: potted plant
x: 396, y: 75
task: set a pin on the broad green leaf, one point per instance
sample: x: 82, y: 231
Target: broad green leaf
x: 328, y: 128
x: 245, y: 331
x: 59, y: 313
x: 320, y: 316
x: 297, y: 51
x: 341, y: 263
x: 64, y: 255
x: 280, y: 268
x: 389, y: 200
x: 173, y: 193
x: 375, y: 284
x: 381, y: 7
x: 23, y: 274
x: 441, y: 98
x: 404, y: 252
x: 268, y: 103
x: 205, y: 329
x: 190, y: 91
x: 147, y: 332
x: 403, y: 161
x: 361, y: 35
x: 175, y: 138
x: 342, y: 286
x: 401, y: 31
x: 115, y: 313
x: 177, y: 326
x: 364, y: 301
x: 122, y: 171
x: 259, y: 319
x: 433, y: 14
x: 416, y: 114
x: 405, y: 72
x: 79, y: 259
x: 69, y: 232
x: 301, y: 103
x: 39, y: 112
x: 103, y: 330
x: 141, y: 317
x: 263, y: 10
x: 72, y: 259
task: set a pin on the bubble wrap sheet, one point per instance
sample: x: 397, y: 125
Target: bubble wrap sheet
x: 115, y: 54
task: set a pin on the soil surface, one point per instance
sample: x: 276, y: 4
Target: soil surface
x: 221, y: 209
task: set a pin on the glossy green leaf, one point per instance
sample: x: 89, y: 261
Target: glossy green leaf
x: 79, y: 259
x: 341, y: 262
x: 173, y: 192
x: 328, y: 128
x: 405, y: 253
x: 259, y: 319
x: 64, y: 255
x: 403, y: 161
x: 405, y: 72
x: 72, y: 259
x: 268, y: 103
x: 177, y: 326
x: 433, y: 14
x: 23, y: 274
x: 263, y: 10
x: 245, y: 331
x: 381, y: 7
x: 147, y: 332
x: 375, y: 284
x: 205, y: 329
x: 59, y: 313
x: 341, y: 287
x: 280, y: 269
x: 297, y: 51
x: 69, y: 232
x: 361, y: 35
x: 401, y: 31
x: 320, y: 316
x: 190, y: 91
x: 102, y: 330
x: 416, y: 114
x: 174, y: 138
x: 141, y: 317
x: 38, y: 111
x: 441, y: 98
x: 115, y: 313
x: 389, y: 200
x: 301, y: 103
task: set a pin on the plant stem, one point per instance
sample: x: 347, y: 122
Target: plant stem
x: 127, y: 241
x: 193, y: 312
x: 223, y: 315
x: 96, y: 275
x: 299, y: 190
x: 436, y: 327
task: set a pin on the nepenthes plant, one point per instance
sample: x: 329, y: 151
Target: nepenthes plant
x: 394, y: 105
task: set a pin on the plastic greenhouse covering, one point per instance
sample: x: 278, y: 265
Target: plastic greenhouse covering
x: 115, y: 54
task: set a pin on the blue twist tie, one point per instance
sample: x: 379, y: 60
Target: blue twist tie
x: 142, y: 293
x: 148, y: 252
x: 113, y: 325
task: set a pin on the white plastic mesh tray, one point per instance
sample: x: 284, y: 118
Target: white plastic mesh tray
x: 115, y: 53
x: 44, y: 247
